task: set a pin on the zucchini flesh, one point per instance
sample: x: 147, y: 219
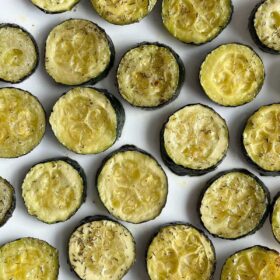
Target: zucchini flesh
x: 18, y: 53
x: 180, y: 252
x: 149, y: 75
x: 53, y: 191
x: 87, y: 120
x: 232, y: 75
x: 261, y: 138
x: 77, y: 51
x: 257, y: 262
x: 28, y: 259
x: 55, y: 6
x: 22, y: 122
x: 275, y: 218
x: 234, y: 205
x: 132, y: 185
x: 196, y: 22
x: 195, y: 137
x: 101, y: 250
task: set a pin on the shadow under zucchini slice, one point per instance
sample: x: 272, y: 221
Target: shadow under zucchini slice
x: 55, y: 7
x: 19, y: 55
x: 196, y: 22
x: 257, y: 262
x: 150, y: 75
x: 180, y: 251
x: 101, y: 249
x: 77, y: 52
x: 87, y: 120
x: 54, y: 190
x: 234, y: 204
x: 23, y: 122
x: 132, y: 185
x: 29, y: 259
x: 194, y: 140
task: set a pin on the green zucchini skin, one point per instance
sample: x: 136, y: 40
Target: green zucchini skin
x: 13, y: 25
x: 217, y: 176
x: 58, y: 12
x: 81, y: 172
x: 179, y: 169
x: 271, y: 213
x: 126, y: 148
x: 86, y: 220
x: 182, y: 74
x: 13, y: 205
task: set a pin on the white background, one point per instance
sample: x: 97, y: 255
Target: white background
x: 141, y: 128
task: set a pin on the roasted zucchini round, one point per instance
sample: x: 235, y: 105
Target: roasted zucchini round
x: 264, y: 26
x: 101, y: 249
x: 78, y: 51
x: 123, y: 12
x: 23, y: 122
x: 54, y: 7
x: 194, y: 140
x: 261, y: 139
x: 150, y: 75
x: 54, y: 190
x: 28, y: 259
x: 19, y: 54
x: 275, y: 217
x: 232, y: 74
x: 132, y: 185
x: 234, y: 204
x: 256, y: 262
x: 7, y: 201
x: 180, y: 251
x: 196, y: 22
x: 87, y: 120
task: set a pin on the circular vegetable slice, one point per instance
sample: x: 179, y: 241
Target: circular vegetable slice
x: 19, y: 54
x: 101, y: 249
x: 7, y: 201
x: 261, y: 139
x: 234, y: 204
x: 180, y: 251
x: 55, y: 6
x: 264, y: 26
x: 23, y: 122
x: 275, y: 217
x: 194, y: 140
x: 256, y: 262
x: 132, y: 185
x: 28, y: 259
x: 78, y: 51
x: 54, y: 190
x: 123, y: 12
x: 150, y: 75
x: 232, y: 75
x: 196, y: 22
x: 87, y: 120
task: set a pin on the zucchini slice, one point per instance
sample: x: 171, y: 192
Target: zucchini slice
x: 123, y: 12
x: 78, y: 51
x: 132, y: 185
x: 232, y: 75
x: 19, y: 55
x: 28, y: 259
x: 275, y: 217
x: 261, y: 139
x: 256, y: 262
x: 7, y: 201
x: 54, y: 7
x: 101, y: 249
x: 234, y: 204
x: 54, y: 190
x: 87, y: 120
x: 23, y: 122
x: 150, y: 75
x: 196, y: 22
x: 264, y: 26
x: 194, y: 140
x: 180, y: 251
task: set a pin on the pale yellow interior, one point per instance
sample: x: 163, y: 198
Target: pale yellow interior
x: 275, y: 220
x: 6, y: 198
x: 55, y: 5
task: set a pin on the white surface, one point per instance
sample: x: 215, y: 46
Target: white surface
x: 141, y: 128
